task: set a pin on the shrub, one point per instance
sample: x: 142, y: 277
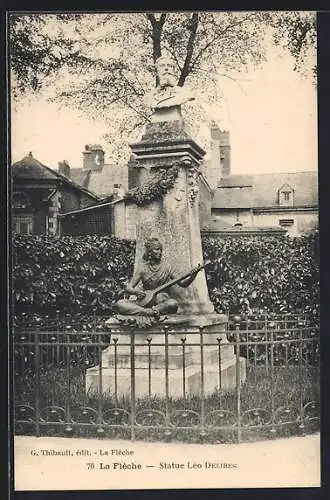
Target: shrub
x: 70, y: 274
x: 83, y: 275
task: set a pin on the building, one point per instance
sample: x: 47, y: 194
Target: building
x: 287, y: 201
x: 101, y: 178
x: 284, y: 200
x: 264, y: 204
x: 40, y: 194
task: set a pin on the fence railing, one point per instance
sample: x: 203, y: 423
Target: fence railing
x: 124, y: 383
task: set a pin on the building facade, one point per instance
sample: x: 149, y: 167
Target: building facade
x: 92, y: 198
x: 275, y: 201
x: 40, y: 194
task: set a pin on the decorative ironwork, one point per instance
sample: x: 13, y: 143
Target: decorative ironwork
x: 117, y: 416
x: 286, y: 414
x: 25, y: 413
x: 256, y: 416
x: 52, y: 414
x: 280, y: 391
x: 185, y: 418
x: 150, y: 417
x: 84, y: 415
x: 220, y: 418
x: 311, y: 411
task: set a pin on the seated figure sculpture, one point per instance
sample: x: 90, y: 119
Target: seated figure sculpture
x: 153, y: 273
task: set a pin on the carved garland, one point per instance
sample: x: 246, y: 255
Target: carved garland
x: 193, y: 175
x: 162, y: 182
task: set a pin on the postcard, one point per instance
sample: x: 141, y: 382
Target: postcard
x: 165, y: 243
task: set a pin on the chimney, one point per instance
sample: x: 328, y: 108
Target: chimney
x: 93, y: 158
x: 219, y: 163
x: 213, y: 170
x: 133, y: 173
x: 224, y: 153
x: 64, y: 168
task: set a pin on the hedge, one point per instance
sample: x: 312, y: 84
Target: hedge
x: 83, y: 275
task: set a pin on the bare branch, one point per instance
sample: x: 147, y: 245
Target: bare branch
x: 193, y: 25
x: 217, y: 36
x: 235, y: 80
x: 157, y: 28
x: 152, y: 19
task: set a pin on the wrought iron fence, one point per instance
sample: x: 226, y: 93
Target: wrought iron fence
x: 160, y: 386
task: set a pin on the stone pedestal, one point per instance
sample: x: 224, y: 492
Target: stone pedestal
x: 188, y: 354
x: 173, y: 219
x: 193, y: 354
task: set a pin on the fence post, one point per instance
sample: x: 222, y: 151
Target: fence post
x: 301, y: 395
x: 219, y: 339
x: 57, y: 337
x: 132, y: 385
x: 237, y: 320
x: 68, y: 428
x: 202, y: 433
x: 149, y: 340
x: 37, y: 387
x: 183, y: 340
x: 115, y: 341
x: 100, y: 429
x: 167, y: 431
x: 272, y: 326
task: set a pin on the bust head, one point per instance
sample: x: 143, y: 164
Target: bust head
x: 153, y: 250
x: 166, y: 70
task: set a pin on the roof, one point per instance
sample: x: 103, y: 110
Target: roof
x: 233, y: 198
x: 29, y: 168
x: 243, y: 230
x: 218, y: 225
x: 233, y: 192
x: 236, y: 181
x: 96, y: 206
x: 304, y: 184
x: 101, y: 182
x: 79, y: 176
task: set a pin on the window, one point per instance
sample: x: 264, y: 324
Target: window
x: 23, y: 225
x: 286, y: 222
x: 286, y: 196
x: 20, y: 200
x: 51, y: 225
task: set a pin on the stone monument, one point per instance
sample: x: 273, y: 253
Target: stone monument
x: 168, y: 251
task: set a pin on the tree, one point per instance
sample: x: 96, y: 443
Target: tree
x: 297, y: 32
x: 103, y: 64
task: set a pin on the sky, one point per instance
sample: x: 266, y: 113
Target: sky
x: 271, y: 114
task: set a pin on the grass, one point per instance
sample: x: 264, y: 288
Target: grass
x: 290, y: 388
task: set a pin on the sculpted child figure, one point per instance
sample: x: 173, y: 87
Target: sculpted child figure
x: 153, y: 272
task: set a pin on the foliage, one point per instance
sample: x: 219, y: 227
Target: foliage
x: 278, y: 275
x: 297, y: 32
x: 105, y: 62
x: 156, y: 188
x: 83, y: 276
x: 70, y: 273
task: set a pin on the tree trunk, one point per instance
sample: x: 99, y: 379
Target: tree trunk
x: 190, y: 48
x: 157, y: 29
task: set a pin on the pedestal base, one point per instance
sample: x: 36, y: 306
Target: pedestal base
x: 182, y: 353
x: 179, y: 386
